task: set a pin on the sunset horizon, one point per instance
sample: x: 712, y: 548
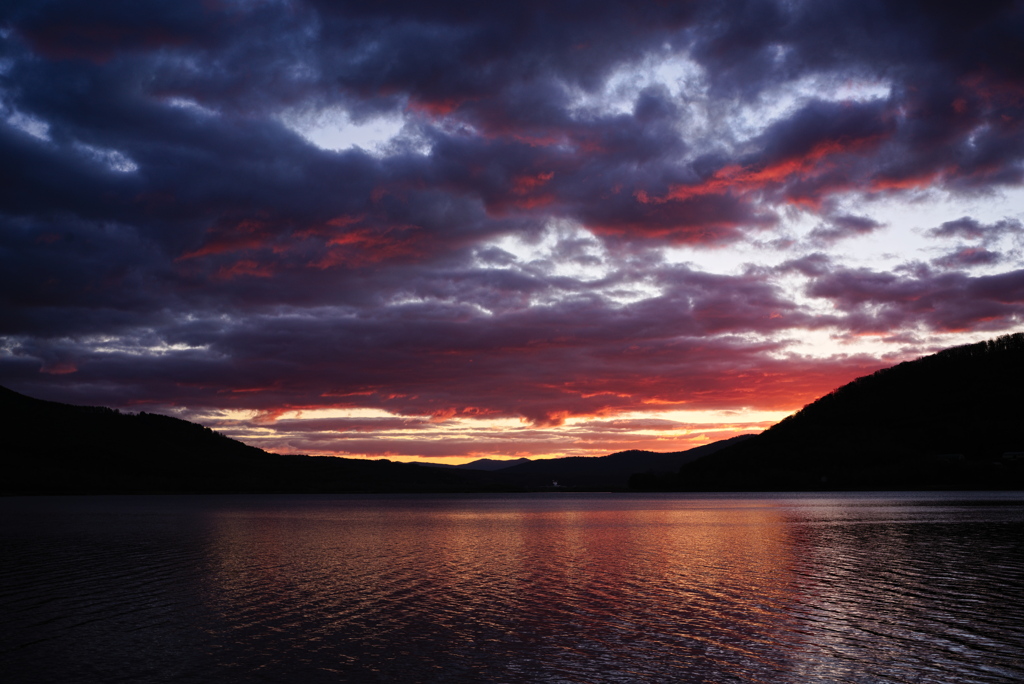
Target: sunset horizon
x: 440, y: 232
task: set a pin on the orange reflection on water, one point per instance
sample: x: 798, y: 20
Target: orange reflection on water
x: 556, y: 578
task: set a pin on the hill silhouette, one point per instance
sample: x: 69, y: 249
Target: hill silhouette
x: 612, y: 472
x: 54, y: 448
x: 492, y: 464
x: 951, y: 420
x: 481, y: 464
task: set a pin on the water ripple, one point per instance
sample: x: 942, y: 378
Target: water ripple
x: 518, y: 589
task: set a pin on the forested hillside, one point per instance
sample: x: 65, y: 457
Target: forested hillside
x: 951, y: 420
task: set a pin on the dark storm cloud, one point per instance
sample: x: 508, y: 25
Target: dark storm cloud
x: 841, y: 227
x: 578, y: 357
x: 812, y: 265
x: 98, y: 32
x: 956, y: 72
x: 167, y: 237
x: 455, y: 54
x: 970, y: 229
x: 508, y: 72
x: 755, y: 37
x: 966, y: 257
x: 875, y: 301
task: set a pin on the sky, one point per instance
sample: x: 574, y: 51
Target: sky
x: 454, y: 230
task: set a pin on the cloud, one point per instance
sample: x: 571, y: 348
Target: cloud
x: 588, y: 211
x: 970, y: 229
x: 873, y: 301
x: 811, y: 265
x: 968, y: 257
x: 842, y: 227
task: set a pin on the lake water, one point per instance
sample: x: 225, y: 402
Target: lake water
x: 529, y: 588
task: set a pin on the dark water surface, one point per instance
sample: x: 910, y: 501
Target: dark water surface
x: 530, y: 588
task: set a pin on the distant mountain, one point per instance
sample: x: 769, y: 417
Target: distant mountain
x: 492, y: 464
x: 952, y: 420
x: 486, y: 464
x: 602, y: 472
x: 52, y: 448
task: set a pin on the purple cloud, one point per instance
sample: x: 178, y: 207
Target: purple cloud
x: 583, y: 211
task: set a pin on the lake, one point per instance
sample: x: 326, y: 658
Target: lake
x: 866, y: 587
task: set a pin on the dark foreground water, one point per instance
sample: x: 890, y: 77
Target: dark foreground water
x: 531, y: 588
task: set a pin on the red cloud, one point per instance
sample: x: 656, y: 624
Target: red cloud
x: 945, y: 301
x: 436, y: 108
x: 98, y: 42
x: 234, y: 236
x: 245, y: 267
x: 284, y: 301
x: 365, y: 246
x: 59, y: 368
x: 527, y: 183
x: 754, y: 178
x: 918, y: 181
x: 524, y: 193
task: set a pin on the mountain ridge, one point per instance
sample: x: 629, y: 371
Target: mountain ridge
x: 950, y: 420
x: 54, y: 448
x: 941, y: 421
x: 612, y: 472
